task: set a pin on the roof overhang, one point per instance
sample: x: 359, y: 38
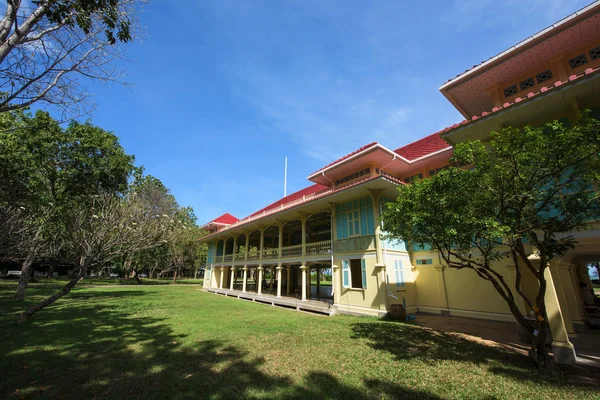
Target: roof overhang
x: 377, y: 155
x: 468, y: 91
x: 562, y: 101
x: 385, y: 184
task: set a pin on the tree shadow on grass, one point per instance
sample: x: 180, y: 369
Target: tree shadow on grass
x: 407, y: 341
x: 93, y: 348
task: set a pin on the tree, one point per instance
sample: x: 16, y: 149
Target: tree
x: 185, y: 251
x: 43, y: 167
x: 100, y: 228
x: 47, y: 46
x: 157, y: 200
x: 528, y: 191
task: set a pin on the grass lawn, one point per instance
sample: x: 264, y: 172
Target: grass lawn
x: 177, y: 342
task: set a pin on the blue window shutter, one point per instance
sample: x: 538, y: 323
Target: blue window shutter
x: 345, y: 273
x: 397, y: 271
x: 364, y: 226
x: 370, y: 221
x: 363, y: 268
x: 401, y: 273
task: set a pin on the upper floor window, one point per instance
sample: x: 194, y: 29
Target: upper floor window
x: 355, y: 218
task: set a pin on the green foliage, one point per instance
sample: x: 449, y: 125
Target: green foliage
x: 529, y: 184
x: 41, y: 163
x: 527, y: 191
x: 88, y: 14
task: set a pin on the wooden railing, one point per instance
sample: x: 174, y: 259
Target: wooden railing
x: 270, y: 254
x: 253, y: 255
x: 323, y: 247
x: 291, y: 251
x: 228, y: 258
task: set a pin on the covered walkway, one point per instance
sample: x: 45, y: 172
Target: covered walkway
x: 318, y: 307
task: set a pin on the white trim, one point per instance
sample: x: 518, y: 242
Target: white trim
x: 360, y: 153
x: 392, y: 153
x: 520, y: 44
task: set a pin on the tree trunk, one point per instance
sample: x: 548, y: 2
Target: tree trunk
x: 53, y: 265
x: 196, y: 273
x: 75, y: 277
x: 175, y: 275
x: 25, y: 274
x: 135, y: 275
x: 538, y: 351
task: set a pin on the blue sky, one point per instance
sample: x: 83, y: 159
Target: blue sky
x: 223, y: 90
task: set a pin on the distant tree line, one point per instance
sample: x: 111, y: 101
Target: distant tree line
x: 73, y: 193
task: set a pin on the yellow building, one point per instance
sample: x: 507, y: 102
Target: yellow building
x: 321, y: 249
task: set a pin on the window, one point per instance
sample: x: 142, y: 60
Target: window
x: 354, y: 273
x: 399, y: 271
x: 355, y: 218
x: 424, y: 261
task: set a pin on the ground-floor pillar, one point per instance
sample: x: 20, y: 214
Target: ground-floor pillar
x: 259, y: 282
x: 288, y: 282
x: 279, y: 268
x: 245, y: 279
x: 560, y: 292
x: 232, y: 278
x: 564, y: 352
x: 303, y: 269
x: 221, y: 277
x: 272, y: 280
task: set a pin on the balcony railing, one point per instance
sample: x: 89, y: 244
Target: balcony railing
x: 323, y: 247
x: 228, y: 258
x: 360, y: 243
x: 270, y: 254
x: 291, y: 251
x: 253, y: 255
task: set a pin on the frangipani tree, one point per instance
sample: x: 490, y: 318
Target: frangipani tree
x: 100, y: 228
x: 527, y: 191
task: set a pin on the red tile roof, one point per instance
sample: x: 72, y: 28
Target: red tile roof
x: 317, y: 187
x: 346, y: 156
x: 422, y: 147
x: 300, y: 199
x: 573, y: 78
x: 226, y: 219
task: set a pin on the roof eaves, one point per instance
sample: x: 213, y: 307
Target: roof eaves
x: 295, y: 204
x: 513, y: 48
x: 518, y: 100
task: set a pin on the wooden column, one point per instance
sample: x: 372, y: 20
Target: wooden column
x: 245, y: 278
x: 303, y: 269
x: 279, y: 268
x: 288, y: 282
x: 260, y: 275
x: 232, y: 276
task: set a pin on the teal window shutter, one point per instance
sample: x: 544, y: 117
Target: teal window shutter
x: 363, y: 268
x: 364, y: 226
x: 397, y: 272
x: 370, y: 220
x: 345, y: 273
